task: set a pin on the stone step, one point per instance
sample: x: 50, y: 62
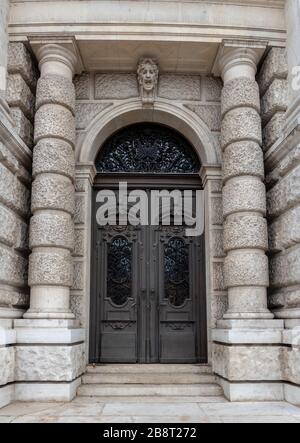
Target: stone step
x: 147, y: 378
x: 149, y: 399
x: 150, y: 369
x: 106, y: 390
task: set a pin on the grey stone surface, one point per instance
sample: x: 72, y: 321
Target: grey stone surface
x: 19, y: 95
x: 79, y: 249
x: 115, y: 86
x: 285, y: 268
x: 8, y: 225
x: 217, y: 242
x: 245, y: 231
x: 52, y: 267
x: 240, y: 92
x: 52, y: 229
x: 241, y: 124
x: 54, y: 121
x: 23, y: 126
x: 79, y: 216
x: 21, y: 61
x: 285, y: 194
x: 55, y: 89
x: 274, y: 66
x: 244, y: 194
x: 273, y: 130
x: 13, y: 193
x: 246, y: 269
x: 275, y: 99
x: 291, y: 359
x: 210, y: 114
x: 82, y: 86
x: 284, y: 232
x: 212, y: 88
x: 13, y: 268
x: 78, y: 275
x: 56, y: 156
x: 7, y: 365
x: 52, y: 191
x: 248, y: 363
x: 217, y: 210
x: 179, y: 87
x: 243, y: 158
x: 14, y: 298
x: 218, y: 276
x: 86, y: 112
x: 49, y: 363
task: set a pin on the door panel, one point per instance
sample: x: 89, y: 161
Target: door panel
x: 148, y: 304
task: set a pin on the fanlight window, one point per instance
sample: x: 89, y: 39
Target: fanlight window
x: 147, y: 148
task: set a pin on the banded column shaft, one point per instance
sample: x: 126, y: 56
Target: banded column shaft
x: 52, y: 227
x: 244, y: 195
x: 4, y: 11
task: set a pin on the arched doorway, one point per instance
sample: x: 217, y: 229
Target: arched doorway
x: 148, y: 301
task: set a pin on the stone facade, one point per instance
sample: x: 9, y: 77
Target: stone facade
x: 62, y: 94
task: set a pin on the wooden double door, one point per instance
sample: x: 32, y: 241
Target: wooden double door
x: 148, y: 302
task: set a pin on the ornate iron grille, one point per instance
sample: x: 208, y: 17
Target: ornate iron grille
x: 147, y: 148
x: 119, y: 270
x: 177, y: 286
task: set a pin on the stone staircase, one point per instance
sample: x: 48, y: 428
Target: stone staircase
x: 194, y: 382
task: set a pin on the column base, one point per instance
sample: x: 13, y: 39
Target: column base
x: 250, y: 324
x: 249, y: 391
x: 50, y: 359
x: 57, y: 392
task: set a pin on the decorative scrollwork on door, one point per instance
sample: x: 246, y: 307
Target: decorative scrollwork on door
x: 176, y: 263
x: 147, y: 148
x: 119, y: 270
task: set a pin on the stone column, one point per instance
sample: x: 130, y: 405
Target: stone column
x: 51, y: 228
x: 244, y: 194
x: 292, y: 11
x: 246, y: 351
x: 4, y: 11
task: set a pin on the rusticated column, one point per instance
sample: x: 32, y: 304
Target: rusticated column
x: 51, y: 228
x: 244, y: 195
x: 4, y: 10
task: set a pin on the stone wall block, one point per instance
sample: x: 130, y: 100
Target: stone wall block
x: 55, y: 89
x: 115, y: 86
x: 52, y: 229
x: 240, y: 92
x: 244, y: 194
x: 212, y: 88
x: 243, y: 158
x: 23, y: 126
x: 275, y: 99
x: 247, y: 363
x: 49, y: 363
x: 13, y: 193
x: 239, y: 125
x: 54, y: 121
x: 274, y: 66
x: 50, y: 267
x: 21, y: 61
x: 285, y: 268
x: 8, y: 225
x: 273, y: 130
x: 285, y: 194
x: 179, y: 87
x: 7, y: 365
x: 52, y: 191
x: 245, y: 231
x: 19, y: 95
x: 284, y: 232
x: 246, y: 268
x: 82, y: 86
x: 13, y: 268
x: 53, y: 155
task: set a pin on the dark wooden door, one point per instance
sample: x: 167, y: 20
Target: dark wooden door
x: 148, y: 295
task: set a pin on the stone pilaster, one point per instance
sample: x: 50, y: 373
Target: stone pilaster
x: 51, y: 229
x: 50, y: 351
x: 247, y: 321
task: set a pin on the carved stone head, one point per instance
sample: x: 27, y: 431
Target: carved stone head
x: 148, y: 79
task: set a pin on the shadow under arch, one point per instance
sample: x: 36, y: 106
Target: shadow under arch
x: 119, y: 116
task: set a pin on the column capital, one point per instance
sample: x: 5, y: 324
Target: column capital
x: 59, y: 57
x: 238, y: 59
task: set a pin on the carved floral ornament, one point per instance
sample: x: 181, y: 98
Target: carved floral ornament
x: 148, y: 72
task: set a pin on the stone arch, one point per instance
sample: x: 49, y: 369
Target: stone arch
x: 118, y: 116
